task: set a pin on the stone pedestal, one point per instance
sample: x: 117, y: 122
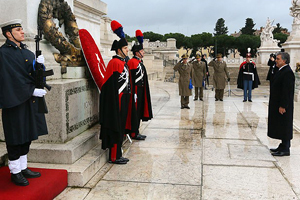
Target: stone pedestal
x: 264, y: 54
x: 297, y: 86
x: 292, y: 45
x: 73, y: 106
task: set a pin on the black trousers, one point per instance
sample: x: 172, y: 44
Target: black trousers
x: 285, y: 145
x: 15, y: 151
x: 115, y: 152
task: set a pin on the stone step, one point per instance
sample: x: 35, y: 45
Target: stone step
x: 3, y: 154
x: 80, y: 172
x: 68, y: 152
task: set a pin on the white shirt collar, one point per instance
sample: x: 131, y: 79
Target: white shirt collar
x: 282, y: 67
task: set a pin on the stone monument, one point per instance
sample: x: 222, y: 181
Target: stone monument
x: 292, y: 45
x: 268, y: 43
x: 73, y: 139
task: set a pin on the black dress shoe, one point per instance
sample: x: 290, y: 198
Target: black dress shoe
x: 182, y: 107
x: 201, y: 99
x: 274, y: 150
x: 144, y: 136
x: 195, y: 99
x: 125, y: 159
x: 187, y: 107
x: 244, y: 100
x: 27, y: 173
x: 119, y: 161
x: 19, y: 179
x: 281, y: 153
x: 139, y: 137
x: 217, y: 99
x: 221, y: 99
x: 250, y: 100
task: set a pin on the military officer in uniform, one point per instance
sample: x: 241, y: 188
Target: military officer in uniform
x: 185, y: 74
x: 18, y: 100
x: 114, y: 99
x: 140, y: 108
x: 248, y: 78
x: 199, y: 75
x: 220, y: 70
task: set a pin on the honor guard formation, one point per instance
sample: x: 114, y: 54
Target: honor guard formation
x: 125, y: 98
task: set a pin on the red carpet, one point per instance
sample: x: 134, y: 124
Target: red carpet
x: 51, y: 183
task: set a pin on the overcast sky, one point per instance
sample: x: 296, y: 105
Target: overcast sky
x: 196, y: 16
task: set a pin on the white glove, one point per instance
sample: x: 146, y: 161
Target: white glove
x: 39, y: 92
x: 135, y: 97
x: 40, y: 59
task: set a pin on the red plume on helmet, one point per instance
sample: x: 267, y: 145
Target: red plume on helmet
x: 139, y: 35
x: 117, y: 28
x: 138, y: 46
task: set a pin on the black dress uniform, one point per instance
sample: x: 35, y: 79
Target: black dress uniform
x: 114, y: 99
x: 21, y: 121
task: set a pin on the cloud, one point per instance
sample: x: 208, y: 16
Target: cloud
x: 194, y: 16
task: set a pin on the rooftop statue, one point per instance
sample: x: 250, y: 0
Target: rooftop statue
x: 295, y: 11
x: 267, y: 33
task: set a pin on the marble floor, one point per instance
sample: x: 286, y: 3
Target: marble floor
x: 213, y: 151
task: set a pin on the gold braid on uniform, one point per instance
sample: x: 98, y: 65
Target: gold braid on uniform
x: 70, y: 51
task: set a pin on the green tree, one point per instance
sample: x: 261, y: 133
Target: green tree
x: 199, y: 41
x: 248, y: 29
x: 277, y: 29
x: 281, y: 37
x: 152, y: 36
x: 128, y: 38
x: 243, y: 42
x: 220, y: 28
x: 181, y: 40
x: 223, y: 43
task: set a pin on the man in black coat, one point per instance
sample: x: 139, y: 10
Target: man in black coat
x: 281, y: 105
x: 203, y: 57
x: 18, y: 100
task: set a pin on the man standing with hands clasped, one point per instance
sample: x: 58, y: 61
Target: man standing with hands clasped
x: 18, y: 100
x: 281, y: 105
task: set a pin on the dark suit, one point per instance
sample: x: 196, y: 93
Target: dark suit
x: 281, y: 95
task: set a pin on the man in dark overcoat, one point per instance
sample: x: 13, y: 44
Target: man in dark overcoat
x: 18, y: 100
x: 281, y: 105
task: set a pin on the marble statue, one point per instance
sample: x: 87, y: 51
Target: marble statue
x: 267, y: 32
x: 295, y: 11
x: 266, y: 36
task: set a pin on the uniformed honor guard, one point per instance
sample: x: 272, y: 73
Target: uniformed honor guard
x: 199, y: 75
x: 248, y: 78
x: 185, y: 75
x: 281, y: 105
x: 272, y: 68
x: 18, y: 100
x: 220, y: 70
x: 114, y: 99
x: 140, y: 102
